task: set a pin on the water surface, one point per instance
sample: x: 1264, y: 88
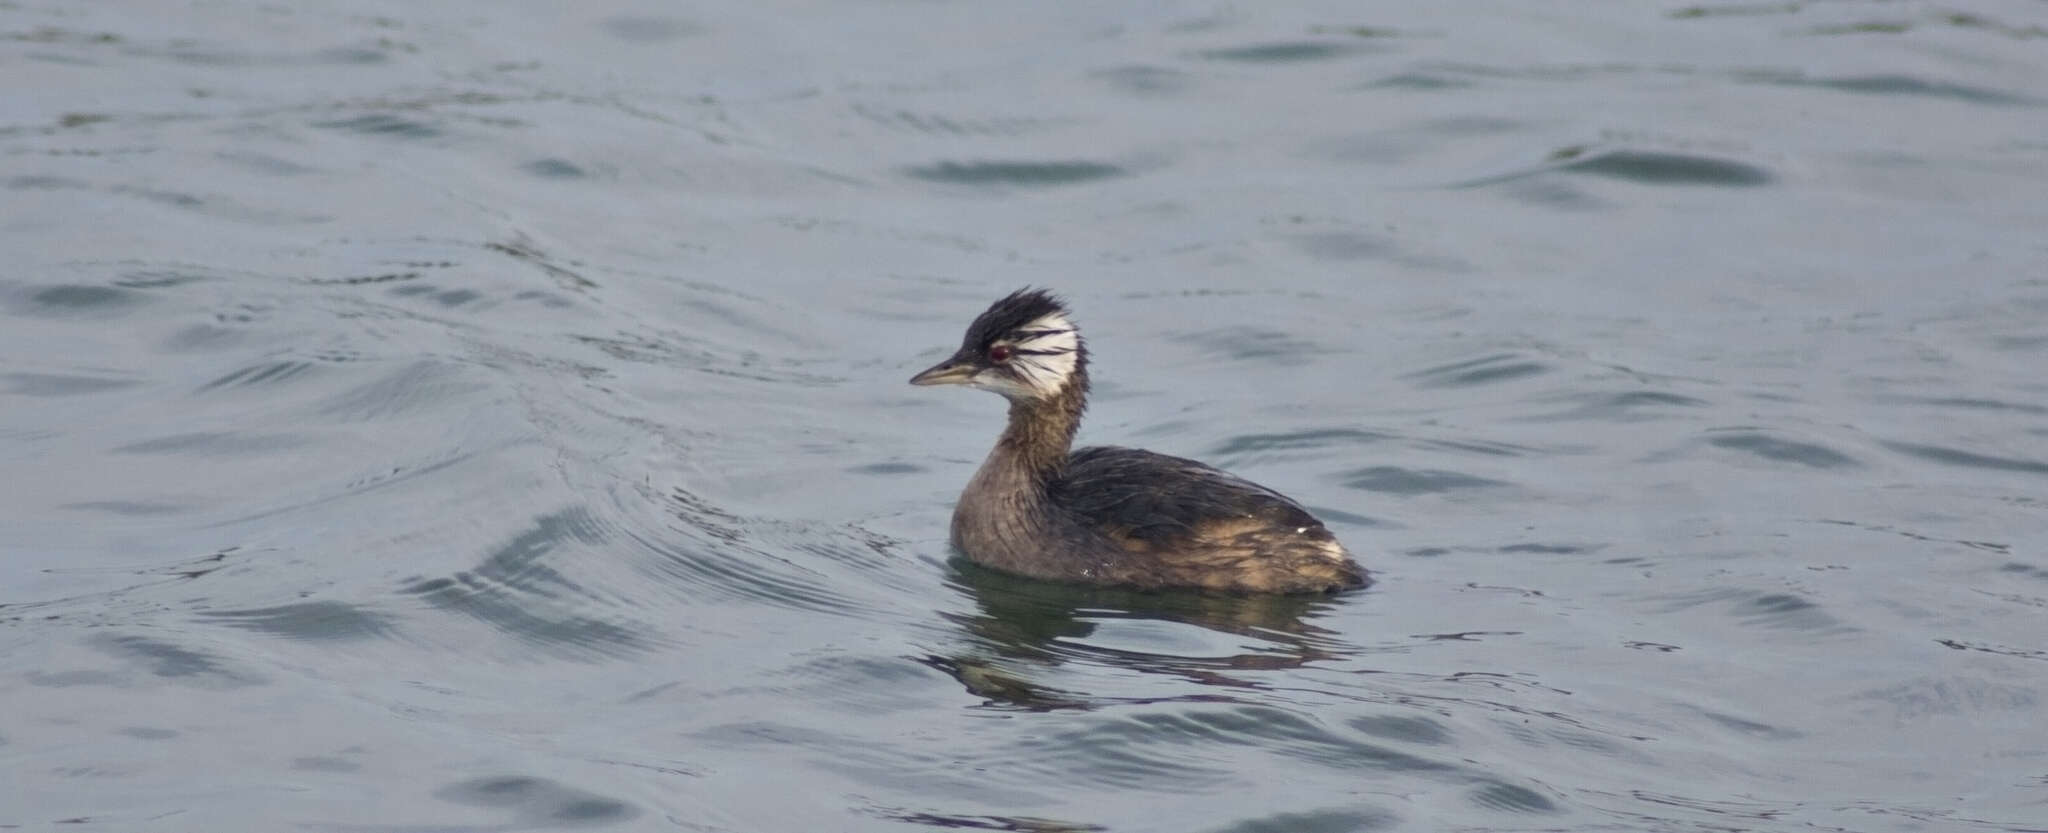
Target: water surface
x: 482, y: 417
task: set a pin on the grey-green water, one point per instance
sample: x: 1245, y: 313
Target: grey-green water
x: 482, y: 416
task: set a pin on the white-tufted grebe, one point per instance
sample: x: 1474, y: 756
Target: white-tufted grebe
x: 1108, y: 515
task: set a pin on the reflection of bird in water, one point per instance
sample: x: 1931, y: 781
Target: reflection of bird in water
x: 1020, y: 622
x: 1108, y: 515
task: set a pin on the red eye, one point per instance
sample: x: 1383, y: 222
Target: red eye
x: 999, y: 353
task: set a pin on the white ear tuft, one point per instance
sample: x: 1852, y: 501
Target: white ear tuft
x: 1047, y: 351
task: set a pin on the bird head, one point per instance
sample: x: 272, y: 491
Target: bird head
x: 1024, y: 347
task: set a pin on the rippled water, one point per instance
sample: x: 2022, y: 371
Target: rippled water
x: 485, y: 417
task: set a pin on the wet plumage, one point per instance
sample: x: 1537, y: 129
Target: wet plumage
x: 1108, y: 515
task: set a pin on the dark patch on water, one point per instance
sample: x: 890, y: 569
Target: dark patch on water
x: 1462, y: 126
x: 1733, y: 10
x: 1649, y: 398
x: 1898, y: 85
x: 1314, y: 438
x: 44, y: 182
x: 174, y: 199
x: 1500, y: 367
x: 456, y: 297
x: 57, y: 384
x: 2020, y: 343
x: 1986, y: 546
x: 148, y: 733
x: 1553, y: 194
x: 1342, y: 245
x: 1969, y: 459
x: 1032, y: 174
x: 1001, y: 689
x: 1402, y: 728
x: 1965, y: 20
x: 1348, y: 820
x: 1749, y: 727
x: 355, y: 55
x: 383, y: 124
x: 164, y: 659
x: 1971, y: 404
x: 2021, y: 653
x: 1005, y: 824
x: 1964, y: 696
x: 1785, y: 610
x: 1657, y: 168
x: 1358, y: 31
x: 1144, y: 80
x: 520, y: 563
x: 360, y: 280
x: 69, y: 300
x: 321, y: 620
x: 267, y: 373
x: 1778, y: 604
x: 1480, y: 447
x: 1462, y: 636
x: 69, y: 679
x: 1402, y: 481
x: 54, y: 34
x: 206, y: 55
x: 650, y: 29
x: 949, y: 125
x: 1510, y: 798
x: 2024, y: 569
x: 1420, y: 82
x: 158, y: 278
x: 538, y: 802
x: 126, y: 508
x: 524, y: 250
x: 1889, y: 27
x: 887, y: 468
x: 1253, y: 343
x: 264, y: 163
x: 214, y: 443
x: 1286, y: 52
x: 324, y: 763
x: 445, y: 297
x: 1551, y: 549
x: 1784, y: 451
x: 1621, y: 406
x: 552, y: 168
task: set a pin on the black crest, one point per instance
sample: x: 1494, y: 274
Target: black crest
x: 1006, y: 316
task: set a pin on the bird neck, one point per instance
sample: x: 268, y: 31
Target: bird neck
x: 1041, y: 431
x: 1007, y: 511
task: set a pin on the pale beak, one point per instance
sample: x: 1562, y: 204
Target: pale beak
x: 953, y: 371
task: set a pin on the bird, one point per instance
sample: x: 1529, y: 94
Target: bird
x: 1107, y: 515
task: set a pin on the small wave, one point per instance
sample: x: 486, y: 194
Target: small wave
x: 316, y: 620
x: 1763, y: 445
x: 532, y: 801
x: 1485, y: 370
x: 519, y: 590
